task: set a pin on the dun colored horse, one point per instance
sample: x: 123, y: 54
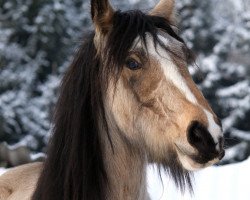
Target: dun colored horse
x: 126, y: 100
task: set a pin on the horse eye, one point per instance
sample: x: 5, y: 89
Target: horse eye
x: 133, y: 64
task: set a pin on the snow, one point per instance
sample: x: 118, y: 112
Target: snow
x: 228, y: 182
x: 233, y: 152
x: 2, y: 170
x: 37, y: 156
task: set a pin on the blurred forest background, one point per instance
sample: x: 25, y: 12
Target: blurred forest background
x: 38, y: 39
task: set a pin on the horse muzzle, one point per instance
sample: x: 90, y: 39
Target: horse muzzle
x: 202, y: 149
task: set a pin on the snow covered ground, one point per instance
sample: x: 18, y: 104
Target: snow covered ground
x: 230, y: 182
x: 2, y: 170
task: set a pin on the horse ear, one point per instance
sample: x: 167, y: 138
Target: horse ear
x: 166, y: 9
x: 102, y: 14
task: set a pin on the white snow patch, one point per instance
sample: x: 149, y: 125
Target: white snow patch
x: 228, y: 182
x: 37, y: 156
x: 2, y: 170
x: 233, y: 152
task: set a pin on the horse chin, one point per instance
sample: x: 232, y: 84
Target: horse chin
x: 189, y: 162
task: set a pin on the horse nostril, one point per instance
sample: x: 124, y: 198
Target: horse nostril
x: 194, y: 133
x: 199, y: 137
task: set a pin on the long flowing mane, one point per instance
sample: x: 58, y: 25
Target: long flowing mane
x: 74, y: 169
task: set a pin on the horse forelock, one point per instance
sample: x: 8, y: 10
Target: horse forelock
x: 129, y: 26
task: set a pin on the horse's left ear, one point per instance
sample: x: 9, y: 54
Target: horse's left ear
x: 166, y: 9
x: 102, y: 15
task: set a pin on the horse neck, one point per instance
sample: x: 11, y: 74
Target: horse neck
x: 126, y: 169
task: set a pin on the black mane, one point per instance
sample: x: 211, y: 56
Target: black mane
x: 74, y: 169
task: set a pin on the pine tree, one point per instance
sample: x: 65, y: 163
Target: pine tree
x: 37, y: 39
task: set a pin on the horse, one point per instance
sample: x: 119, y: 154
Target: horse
x: 126, y: 100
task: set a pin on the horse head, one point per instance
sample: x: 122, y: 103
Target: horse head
x: 153, y: 101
